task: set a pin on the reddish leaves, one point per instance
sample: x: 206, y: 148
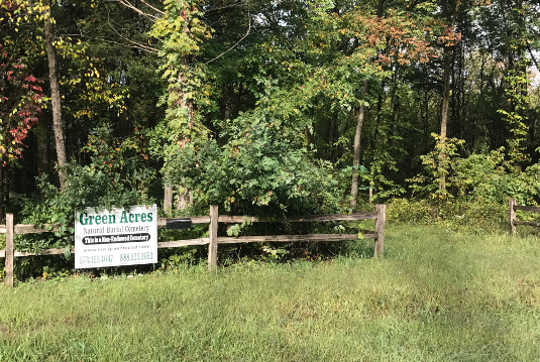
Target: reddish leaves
x: 403, y: 39
x: 20, y: 104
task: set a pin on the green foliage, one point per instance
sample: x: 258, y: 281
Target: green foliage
x: 515, y: 111
x: 182, y: 31
x: 525, y: 187
x: 236, y: 229
x: 516, y: 115
x: 490, y: 178
x: 177, y: 260
x: 436, y: 164
x: 478, y: 216
x: 384, y: 187
x: 420, y: 212
x: 481, y: 176
x: 115, y: 176
x: 259, y: 169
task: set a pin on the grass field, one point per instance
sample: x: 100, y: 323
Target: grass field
x: 437, y: 296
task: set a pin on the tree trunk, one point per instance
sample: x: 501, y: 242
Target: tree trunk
x: 425, y: 110
x: 331, y: 138
x: 5, y: 188
x: 444, y: 116
x: 56, y: 104
x: 167, y: 198
x: 184, y: 198
x: 42, y: 147
x: 2, y: 193
x: 356, y: 161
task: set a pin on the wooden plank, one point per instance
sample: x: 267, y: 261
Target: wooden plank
x: 194, y: 220
x: 527, y: 208
x: 204, y: 241
x: 350, y: 217
x: 181, y: 243
x: 291, y: 238
x: 200, y: 220
x: 530, y: 223
x: 379, y: 230
x: 57, y: 251
x: 9, y: 251
x: 367, y: 234
x: 213, y: 242
x: 226, y: 219
x: 34, y: 229
x: 512, y: 215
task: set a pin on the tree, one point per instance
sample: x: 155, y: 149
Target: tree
x: 56, y: 99
x: 181, y: 31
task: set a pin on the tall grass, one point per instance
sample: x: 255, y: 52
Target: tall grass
x: 437, y: 296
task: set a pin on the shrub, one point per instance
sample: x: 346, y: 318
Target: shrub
x: 481, y: 178
x: 261, y: 170
x: 115, y: 176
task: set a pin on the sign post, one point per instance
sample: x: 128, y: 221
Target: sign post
x: 117, y: 237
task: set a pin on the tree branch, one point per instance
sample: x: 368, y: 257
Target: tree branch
x: 239, y: 3
x: 153, y: 8
x: 133, y: 43
x: 234, y: 45
x: 532, y: 56
x: 129, y: 5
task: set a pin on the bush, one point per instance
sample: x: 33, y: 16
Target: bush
x: 481, y: 178
x: 414, y: 212
x: 115, y: 176
x: 260, y: 170
x: 479, y: 216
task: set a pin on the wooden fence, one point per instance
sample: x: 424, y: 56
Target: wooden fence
x: 9, y: 253
x: 513, y: 207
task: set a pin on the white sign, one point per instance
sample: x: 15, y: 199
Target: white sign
x: 116, y: 237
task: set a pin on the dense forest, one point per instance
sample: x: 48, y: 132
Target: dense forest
x: 266, y: 107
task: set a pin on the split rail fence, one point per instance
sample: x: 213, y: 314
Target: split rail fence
x: 213, y: 240
x: 513, y: 207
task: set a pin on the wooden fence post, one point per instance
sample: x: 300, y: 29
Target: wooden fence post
x: 212, y: 235
x: 512, y: 215
x: 379, y: 230
x: 10, y: 250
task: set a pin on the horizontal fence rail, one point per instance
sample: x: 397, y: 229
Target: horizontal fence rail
x: 9, y: 253
x: 513, y: 207
x: 349, y: 217
x: 291, y: 238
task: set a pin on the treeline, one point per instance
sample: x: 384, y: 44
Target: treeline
x: 266, y: 106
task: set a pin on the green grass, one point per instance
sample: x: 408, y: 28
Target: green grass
x: 437, y: 296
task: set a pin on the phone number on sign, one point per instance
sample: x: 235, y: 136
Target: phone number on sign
x: 136, y: 256
x: 96, y: 259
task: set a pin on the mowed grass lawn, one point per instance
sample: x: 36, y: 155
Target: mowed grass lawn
x: 437, y: 296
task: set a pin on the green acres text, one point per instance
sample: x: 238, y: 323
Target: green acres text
x: 126, y: 217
